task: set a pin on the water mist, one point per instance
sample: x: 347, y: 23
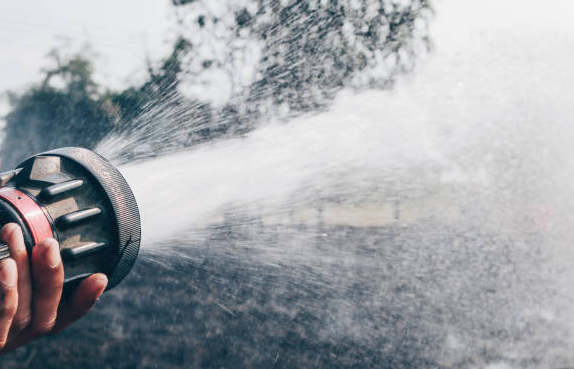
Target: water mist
x: 426, y: 226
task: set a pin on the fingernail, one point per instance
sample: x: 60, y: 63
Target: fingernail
x: 52, y: 253
x: 103, y: 279
x: 8, y: 273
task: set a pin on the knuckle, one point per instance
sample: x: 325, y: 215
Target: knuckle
x: 49, y: 282
x: 46, y: 326
x: 8, y: 229
x: 8, y: 306
x: 22, y: 321
x: 52, y: 288
x: 19, y: 254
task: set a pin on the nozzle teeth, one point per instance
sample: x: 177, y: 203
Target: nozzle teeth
x: 60, y: 188
x: 77, y: 217
x: 6, y: 176
x: 74, y: 253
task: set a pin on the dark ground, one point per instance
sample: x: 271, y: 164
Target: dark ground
x: 358, y: 297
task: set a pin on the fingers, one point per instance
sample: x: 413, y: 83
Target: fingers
x: 11, y: 234
x: 8, y: 297
x: 35, y: 290
x: 48, y: 275
x: 84, y: 297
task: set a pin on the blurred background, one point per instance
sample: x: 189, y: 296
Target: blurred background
x: 323, y: 183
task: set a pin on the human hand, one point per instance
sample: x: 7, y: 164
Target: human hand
x: 31, y: 302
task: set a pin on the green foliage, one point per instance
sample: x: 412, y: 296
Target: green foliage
x: 301, y: 54
x: 66, y: 109
x: 308, y: 50
x: 314, y: 48
x: 160, y: 84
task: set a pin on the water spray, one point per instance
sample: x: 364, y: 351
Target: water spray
x: 78, y: 198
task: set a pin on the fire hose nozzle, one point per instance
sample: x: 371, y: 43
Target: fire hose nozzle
x: 77, y: 197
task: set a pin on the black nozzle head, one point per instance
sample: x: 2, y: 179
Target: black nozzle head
x: 124, y: 210
x: 87, y: 205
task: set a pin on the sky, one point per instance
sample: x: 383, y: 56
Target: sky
x: 124, y: 33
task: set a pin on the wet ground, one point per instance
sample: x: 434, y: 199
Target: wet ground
x: 396, y: 297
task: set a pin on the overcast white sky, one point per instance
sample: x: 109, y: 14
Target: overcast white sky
x: 124, y: 32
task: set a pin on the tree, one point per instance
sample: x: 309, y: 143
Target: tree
x: 65, y: 109
x: 68, y: 108
x: 242, y: 62
x: 265, y: 58
x: 302, y: 52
